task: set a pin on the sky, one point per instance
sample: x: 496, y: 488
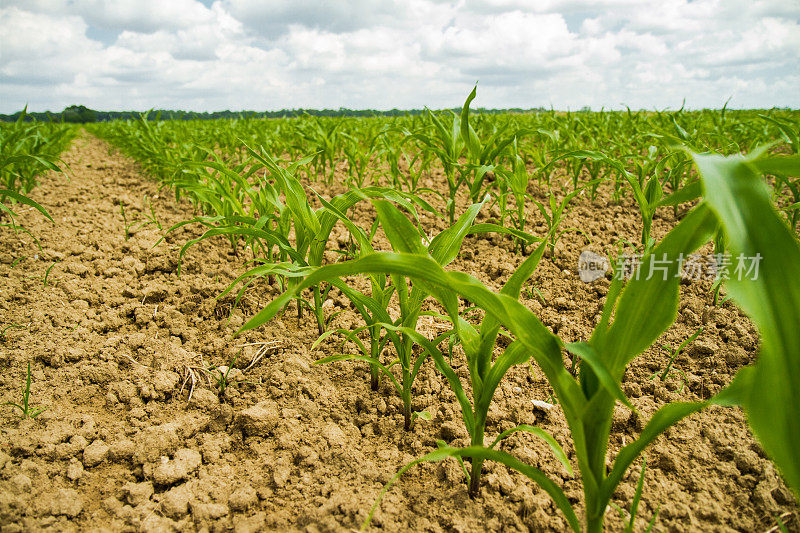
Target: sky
x: 214, y: 55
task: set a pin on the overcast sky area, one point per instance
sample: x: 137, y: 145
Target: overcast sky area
x: 281, y: 54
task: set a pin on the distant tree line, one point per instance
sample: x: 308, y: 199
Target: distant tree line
x: 81, y: 114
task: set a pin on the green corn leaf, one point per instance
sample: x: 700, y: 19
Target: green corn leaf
x: 402, y: 234
x: 534, y: 474
x: 685, y: 194
x: 269, y: 236
x: 361, y: 237
x: 768, y: 390
x: 296, y: 198
x: 488, y: 227
x: 556, y: 448
x: 445, y: 246
x: 467, y: 133
x: 516, y: 354
x: 514, y: 284
x: 637, y: 496
x: 639, y: 320
x: 285, y: 269
x: 593, y: 359
x: 24, y: 158
x: 782, y: 166
x: 21, y: 198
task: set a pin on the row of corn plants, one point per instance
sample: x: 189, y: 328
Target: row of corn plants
x: 588, y: 149
x: 27, y: 150
x: 636, y: 313
x: 253, y: 198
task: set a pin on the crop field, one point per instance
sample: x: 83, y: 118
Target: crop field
x: 447, y: 321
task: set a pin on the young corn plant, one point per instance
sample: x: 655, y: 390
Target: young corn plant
x: 719, y: 264
x: 323, y: 138
x: 587, y: 402
x: 648, y: 192
x: 418, y: 164
x: 674, y: 353
x: 373, y: 309
x: 483, y: 155
x: 405, y: 238
x: 359, y: 156
x: 150, y: 214
x: 221, y: 374
x: 26, y: 409
x: 486, y: 372
x: 576, y: 161
x: 447, y: 144
x: 313, y: 227
x: 517, y: 181
x: 428, y: 275
x: 554, y: 216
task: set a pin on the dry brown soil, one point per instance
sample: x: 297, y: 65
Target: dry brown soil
x: 117, y: 340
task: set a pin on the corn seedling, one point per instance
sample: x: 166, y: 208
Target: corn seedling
x: 8, y: 327
x: 483, y: 156
x: 322, y: 138
x: 418, y: 165
x: 405, y: 238
x: 220, y: 376
x: 374, y: 310
x: 553, y: 213
x: 126, y: 225
x: 532, y: 291
x: 629, y: 517
x: 517, y: 181
x: 485, y: 374
x: 673, y: 354
x: 46, y: 278
x: 448, y: 141
x: 648, y: 195
x: 25, y: 408
x: 150, y: 214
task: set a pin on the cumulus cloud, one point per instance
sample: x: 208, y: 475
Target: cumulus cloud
x: 248, y: 54
x: 274, y: 17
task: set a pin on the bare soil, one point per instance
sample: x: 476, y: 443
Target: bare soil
x: 117, y: 341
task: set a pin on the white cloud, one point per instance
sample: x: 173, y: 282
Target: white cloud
x: 248, y: 54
